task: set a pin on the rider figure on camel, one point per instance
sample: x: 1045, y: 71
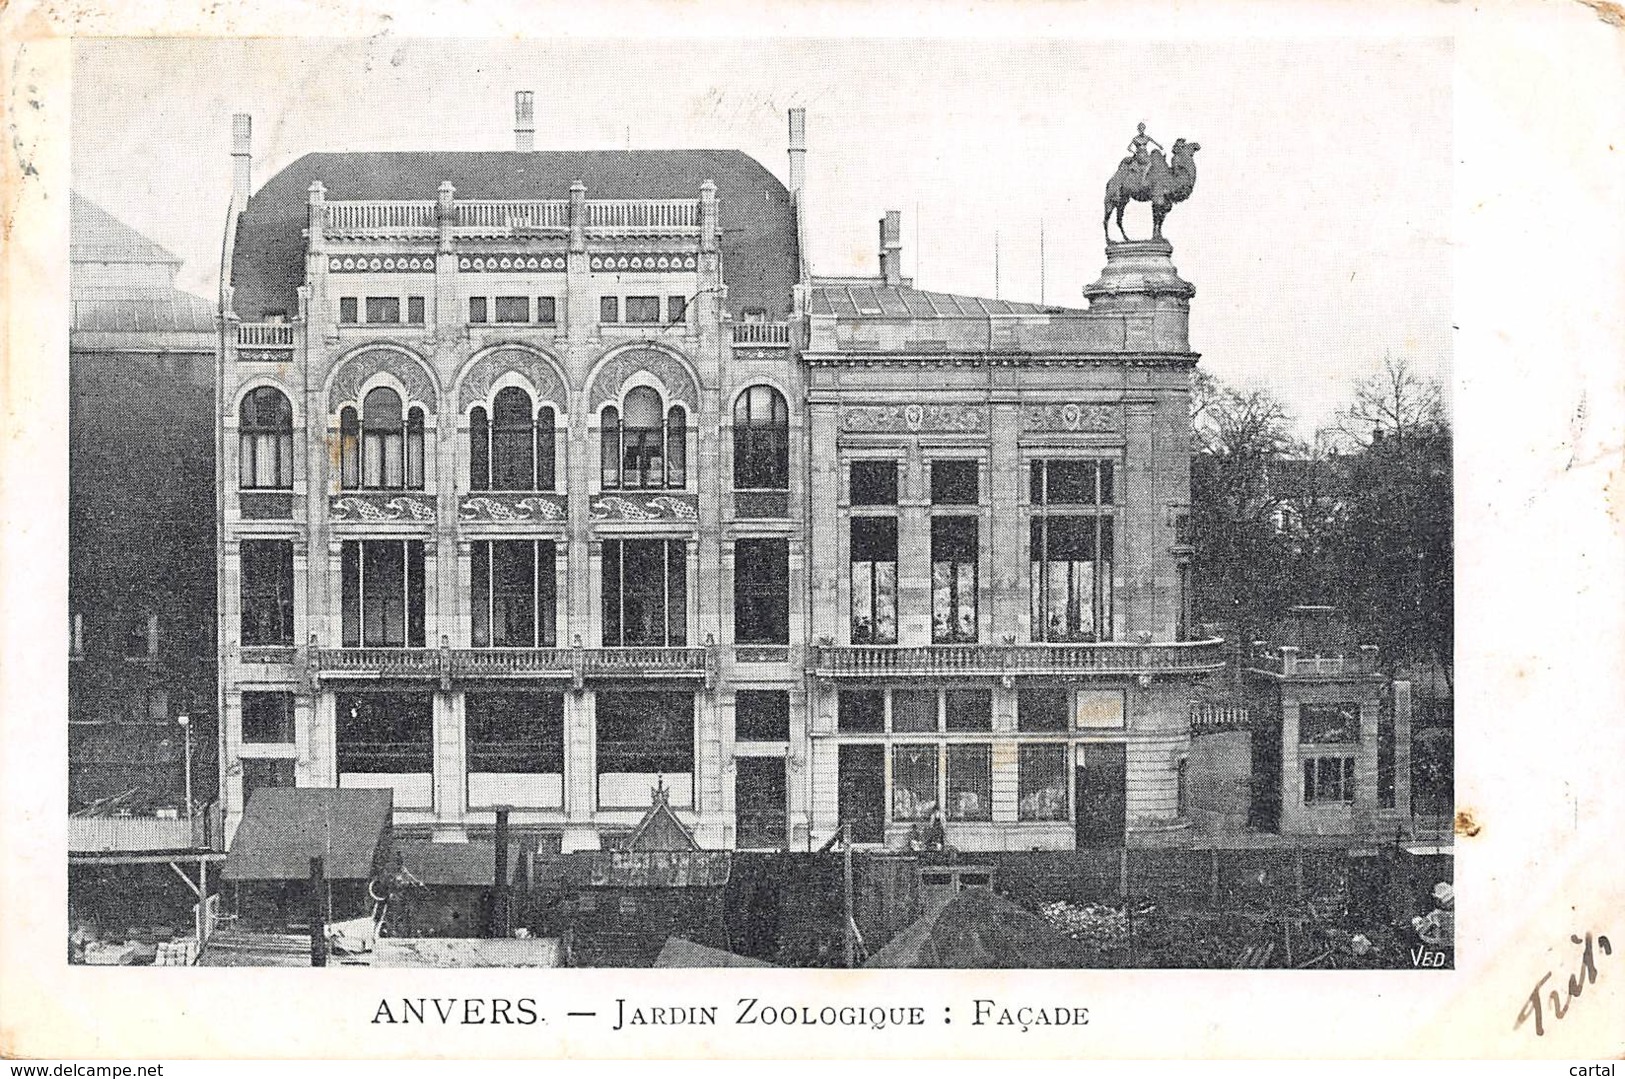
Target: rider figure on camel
x: 1139, y: 155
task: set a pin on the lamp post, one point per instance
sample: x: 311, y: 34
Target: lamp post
x: 186, y: 726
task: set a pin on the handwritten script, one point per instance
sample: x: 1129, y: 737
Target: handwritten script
x: 1561, y: 1003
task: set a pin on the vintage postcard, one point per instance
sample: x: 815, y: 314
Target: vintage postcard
x: 1067, y: 534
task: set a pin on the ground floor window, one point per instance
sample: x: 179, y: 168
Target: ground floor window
x: 1041, y: 782
x: 515, y: 732
x: 1328, y: 780
x: 645, y: 738
x: 913, y: 782
x: 970, y: 782
x: 265, y: 772
x: 385, y: 733
x: 760, y: 801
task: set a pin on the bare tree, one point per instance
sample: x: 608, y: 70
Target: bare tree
x: 1396, y: 403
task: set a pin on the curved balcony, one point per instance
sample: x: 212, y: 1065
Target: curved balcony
x: 1019, y: 660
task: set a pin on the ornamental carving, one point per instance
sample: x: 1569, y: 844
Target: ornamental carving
x: 645, y: 261
x: 396, y: 263
x: 526, y: 509
x: 347, y: 509
x: 1071, y: 417
x: 362, y: 366
x: 658, y: 365
x: 963, y: 419
x: 652, y: 508
x: 511, y: 263
x: 487, y: 369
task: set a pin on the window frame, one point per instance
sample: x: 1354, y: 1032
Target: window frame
x: 543, y: 594
x: 1099, y: 578
x: 761, y: 445
x: 379, y: 305
x: 670, y: 440
x: 641, y: 310
x: 279, y: 592
x: 674, y: 564
x: 354, y: 618
x: 766, y: 599
x: 867, y: 580
x: 254, y: 434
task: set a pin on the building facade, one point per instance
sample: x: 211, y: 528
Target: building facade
x: 141, y: 646
x: 549, y: 479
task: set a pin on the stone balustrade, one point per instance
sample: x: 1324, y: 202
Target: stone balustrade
x: 976, y: 660
x: 762, y: 334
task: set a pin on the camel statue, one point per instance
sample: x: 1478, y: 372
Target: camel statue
x: 1153, y: 180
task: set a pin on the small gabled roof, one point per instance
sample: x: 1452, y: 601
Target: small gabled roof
x: 283, y: 828
x: 660, y: 830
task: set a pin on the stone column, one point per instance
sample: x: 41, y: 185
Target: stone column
x: 450, y: 768
x: 580, y: 776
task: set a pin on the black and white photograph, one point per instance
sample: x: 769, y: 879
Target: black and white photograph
x: 836, y: 503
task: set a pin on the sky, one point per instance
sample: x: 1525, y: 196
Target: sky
x: 1317, y: 236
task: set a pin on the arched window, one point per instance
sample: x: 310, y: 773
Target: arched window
x: 265, y: 427
x: 479, y: 451
x: 676, y: 447
x: 513, y: 442
x: 391, y: 446
x: 610, y: 451
x: 647, y: 448
x: 349, y: 449
x: 514, y: 450
x: 761, y: 440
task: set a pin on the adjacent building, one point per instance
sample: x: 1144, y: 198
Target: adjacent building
x: 552, y: 479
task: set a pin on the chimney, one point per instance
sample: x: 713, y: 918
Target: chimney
x: 798, y: 152
x: 242, y: 129
x: 524, y: 121
x: 891, y: 248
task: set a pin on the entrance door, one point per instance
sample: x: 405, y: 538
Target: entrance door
x: 1101, y: 802
x: 759, y: 802
x: 862, y: 786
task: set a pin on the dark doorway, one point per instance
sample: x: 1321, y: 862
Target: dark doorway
x: 1101, y: 803
x: 862, y: 785
x: 759, y: 802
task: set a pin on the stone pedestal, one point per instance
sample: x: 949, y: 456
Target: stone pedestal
x: 1141, y: 285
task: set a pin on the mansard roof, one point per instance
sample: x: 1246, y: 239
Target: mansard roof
x: 859, y: 298
x: 760, y: 257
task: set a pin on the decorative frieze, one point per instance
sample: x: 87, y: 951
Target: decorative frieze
x: 959, y: 419
x: 610, y: 507
x: 518, y: 508
x: 363, y: 365
x: 658, y: 365
x: 1072, y: 417
x: 377, y: 508
x: 487, y: 369
x: 395, y: 263
x: 265, y: 355
x: 644, y: 262
x: 512, y: 262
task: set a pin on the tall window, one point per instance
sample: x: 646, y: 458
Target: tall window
x: 762, y: 591
x: 383, y: 593
x: 761, y: 440
x: 1071, y: 550
x: 647, y: 448
x: 384, y: 450
x: 513, y: 450
x: 514, y: 589
x: 970, y: 782
x: 874, y: 580
x: 267, y: 591
x: 953, y: 579
x: 645, y: 593
x: 265, y: 433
